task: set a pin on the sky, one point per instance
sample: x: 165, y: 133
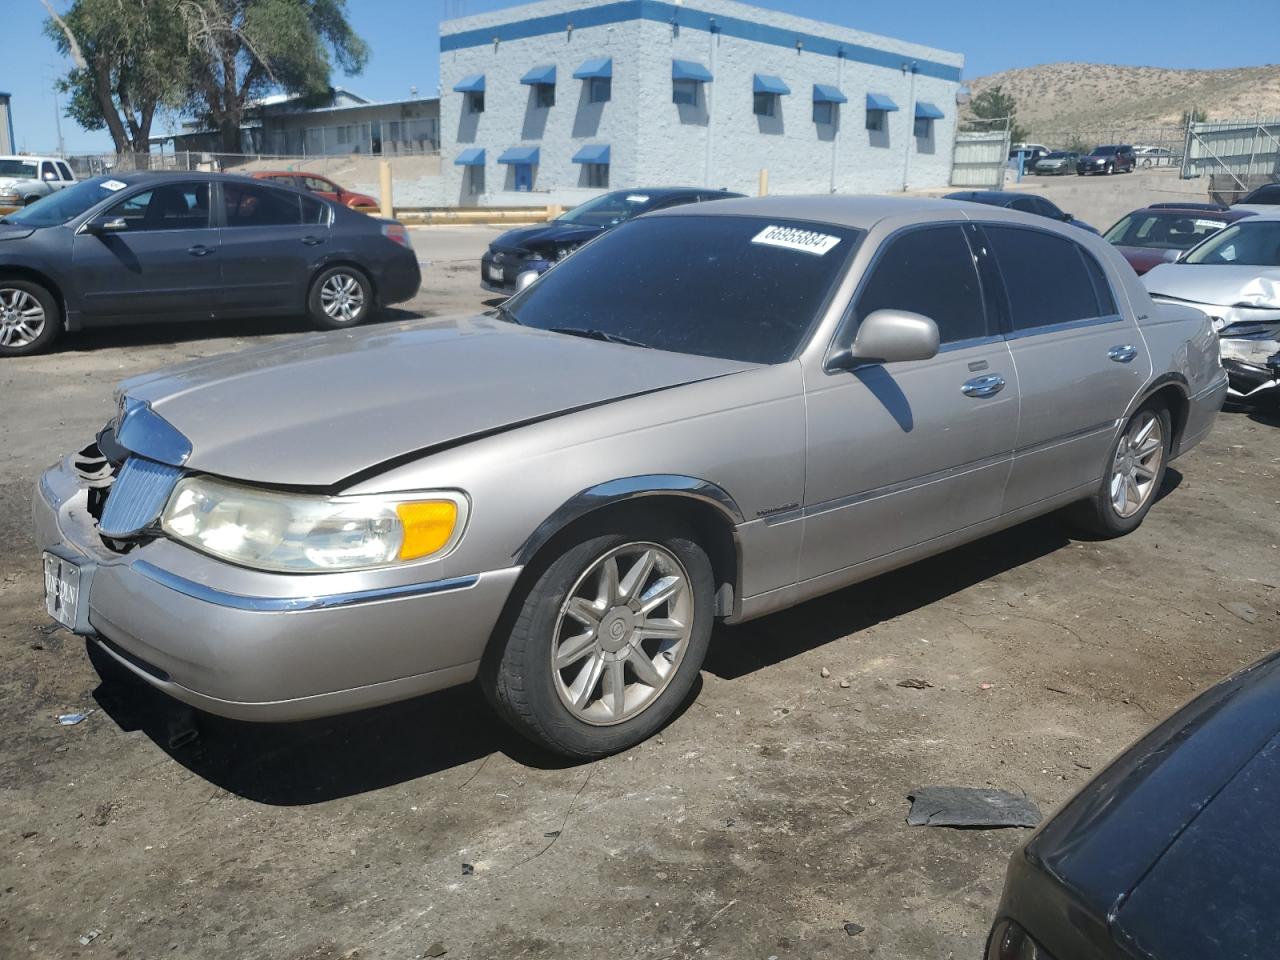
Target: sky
x: 404, y: 43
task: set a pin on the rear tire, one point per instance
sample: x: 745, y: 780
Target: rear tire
x: 340, y: 297
x: 30, y: 318
x: 606, y: 642
x: 1134, y: 473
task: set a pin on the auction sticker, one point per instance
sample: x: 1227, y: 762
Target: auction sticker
x: 112, y: 185
x: 794, y: 238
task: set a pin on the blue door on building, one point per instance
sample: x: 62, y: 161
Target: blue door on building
x: 524, y: 177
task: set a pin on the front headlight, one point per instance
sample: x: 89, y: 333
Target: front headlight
x: 302, y: 533
x: 1249, y: 350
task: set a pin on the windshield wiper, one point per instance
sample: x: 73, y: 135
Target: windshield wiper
x: 600, y: 335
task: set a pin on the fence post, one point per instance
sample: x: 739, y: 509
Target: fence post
x: 384, y: 184
x: 764, y: 181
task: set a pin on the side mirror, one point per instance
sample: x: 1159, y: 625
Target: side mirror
x: 890, y: 336
x: 1068, y: 217
x: 101, y: 225
x: 525, y: 279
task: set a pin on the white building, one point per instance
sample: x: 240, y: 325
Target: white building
x: 563, y: 97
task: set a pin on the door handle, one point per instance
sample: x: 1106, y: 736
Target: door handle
x: 200, y: 250
x: 1123, y: 353
x: 312, y: 241
x: 987, y: 386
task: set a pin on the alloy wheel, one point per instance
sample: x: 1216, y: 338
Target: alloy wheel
x: 342, y: 297
x: 1137, y: 464
x: 621, y: 633
x: 22, y: 319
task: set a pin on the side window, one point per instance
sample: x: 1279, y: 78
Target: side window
x: 931, y: 272
x: 313, y: 211
x: 175, y: 206
x: 65, y: 171
x: 1047, y: 278
x: 1101, y: 288
x: 249, y: 205
x: 1024, y: 204
x: 46, y: 170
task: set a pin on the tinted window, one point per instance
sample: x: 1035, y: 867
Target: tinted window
x: 47, y: 170
x: 18, y: 168
x: 63, y: 205
x: 313, y: 211
x: 174, y: 206
x: 930, y: 272
x: 713, y: 286
x: 609, y: 209
x: 65, y: 171
x: 253, y: 206
x: 1046, y: 278
x: 1024, y: 204
x: 1250, y: 243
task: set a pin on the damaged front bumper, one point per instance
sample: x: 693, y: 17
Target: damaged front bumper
x: 1251, y: 356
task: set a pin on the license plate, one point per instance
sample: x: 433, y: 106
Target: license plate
x: 495, y: 274
x: 61, y: 589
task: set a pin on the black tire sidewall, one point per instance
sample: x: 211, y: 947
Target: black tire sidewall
x: 52, y: 319
x: 316, y: 312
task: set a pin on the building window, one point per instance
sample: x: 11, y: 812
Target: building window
x: 923, y: 127
x: 475, y: 179
x: 597, y: 174
x: 545, y: 94
x: 876, y: 120
x: 599, y: 90
x: 345, y: 135
x: 765, y: 105
x: 475, y: 102
x: 685, y: 92
x: 824, y: 113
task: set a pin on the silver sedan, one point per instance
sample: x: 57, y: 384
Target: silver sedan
x: 710, y: 413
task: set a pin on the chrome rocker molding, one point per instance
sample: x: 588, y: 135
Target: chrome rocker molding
x: 141, y: 430
x: 236, y: 601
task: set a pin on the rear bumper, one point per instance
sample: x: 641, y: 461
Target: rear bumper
x: 400, y: 279
x: 289, y: 647
x: 1202, y: 411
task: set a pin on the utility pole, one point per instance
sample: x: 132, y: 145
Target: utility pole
x: 913, y: 68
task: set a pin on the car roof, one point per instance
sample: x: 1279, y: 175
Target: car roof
x: 665, y: 193
x: 998, y: 197
x: 1204, y: 212
x: 860, y: 212
x: 287, y: 173
x: 27, y: 157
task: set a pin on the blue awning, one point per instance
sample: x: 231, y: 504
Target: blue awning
x: 519, y: 155
x: 594, y: 68
x: 541, y: 76
x: 471, y: 84
x: 592, y: 153
x: 470, y: 158
x: 766, y: 83
x: 927, y: 111
x: 690, y: 70
x: 824, y: 93
x: 879, y: 101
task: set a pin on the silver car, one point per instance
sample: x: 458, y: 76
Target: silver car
x: 709, y: 413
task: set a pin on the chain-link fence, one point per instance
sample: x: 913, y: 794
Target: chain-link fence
x: 1155, y: 146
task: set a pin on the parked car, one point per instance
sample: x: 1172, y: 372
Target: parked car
x: 24, y: 180
x: 1023, y: 202
x: 1057, y: 163
x: 1234, y: 278
x: 533, y: 250
x: 1160, y: 233
x: 1108, y: 159
x: 1028, y: 155
x: 1156, y: 156
x: 321, y: 187
x: 561, y: 498
x: 1165, y: 854
x: 145, y: 247
x: 1263, y: 199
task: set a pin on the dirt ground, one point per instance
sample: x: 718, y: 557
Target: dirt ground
x: 768, y: 814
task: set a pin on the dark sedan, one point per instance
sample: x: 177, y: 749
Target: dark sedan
x: 535, y: 249
x: 192, y: 246
x: 1171, y: 853
x: 1159, y: 234
x: 1113, y: 158
x: 1025, y: 202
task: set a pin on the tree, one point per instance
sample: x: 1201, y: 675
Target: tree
x: 1194, y: 115
x: 240, y: 49
x: 994, y: 104
x: 129, y: 61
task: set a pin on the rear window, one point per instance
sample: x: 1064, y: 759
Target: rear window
x: 1048, y: 278
x: 740, y: 288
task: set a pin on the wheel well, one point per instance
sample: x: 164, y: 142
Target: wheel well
x: 1176, y: 402
x: 35, y: 276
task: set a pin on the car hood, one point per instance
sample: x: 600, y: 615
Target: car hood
x: 15, y: 231
x: 316, y: 411
x: 546, y: 233
x: 1143, y: 259
x: 16, y: 181
x: 1219, y: 284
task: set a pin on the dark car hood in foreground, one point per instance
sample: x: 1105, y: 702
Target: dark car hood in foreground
x: 313, y: 412
x: 543, y: 234
x: 14, y: 231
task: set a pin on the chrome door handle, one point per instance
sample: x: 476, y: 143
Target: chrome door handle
x: 199, y: 250
x: 312, y: 241
x: 987, y: 386
x: 1123, y: 353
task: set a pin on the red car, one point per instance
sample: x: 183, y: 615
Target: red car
x: 1161, y: 232
x: 320, y: 186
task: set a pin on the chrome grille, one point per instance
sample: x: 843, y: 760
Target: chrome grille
x: 139, y: 493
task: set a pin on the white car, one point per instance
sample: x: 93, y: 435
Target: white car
x: 25, y: 180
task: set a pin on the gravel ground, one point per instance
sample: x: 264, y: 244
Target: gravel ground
x: 768, y: 814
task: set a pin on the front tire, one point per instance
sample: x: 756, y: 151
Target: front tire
x: 30, y: 319
x: 1135, y: 472
x: 340, y: 297
x: 606, y: 642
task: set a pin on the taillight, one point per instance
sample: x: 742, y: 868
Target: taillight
x: 397, y: 234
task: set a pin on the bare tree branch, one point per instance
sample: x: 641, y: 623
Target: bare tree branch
x: 77, y: 57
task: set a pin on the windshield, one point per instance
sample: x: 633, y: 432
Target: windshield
x: 65, y: 204
x: 18, y: 168
x: 609, y: 209
x: 1102, y: 151
x: 1245, y: 244
x: 739, y: 288
x: 1162, y: 231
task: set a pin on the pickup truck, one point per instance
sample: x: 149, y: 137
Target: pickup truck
x: 25, y: 180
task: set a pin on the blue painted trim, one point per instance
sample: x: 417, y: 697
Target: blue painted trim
x: 474, y: 157
x: 592, y: 153
x: 544, y: 76
x: 880, y: 101
x: 826, y: 93
x: 595, y: 69
x: 519, y: 155
x: 472, y: 84
x: 1059, y: 327
x: 767, y: 83
x: 689, y: 19
x: 690, y: 70
x: 238, y: 601
x: 927, y: 111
